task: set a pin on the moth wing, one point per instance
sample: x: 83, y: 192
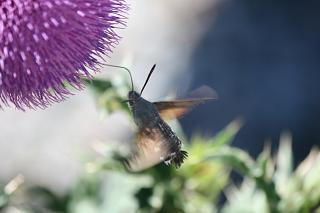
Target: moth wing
x: 175, y: 109
x: 151, y: 149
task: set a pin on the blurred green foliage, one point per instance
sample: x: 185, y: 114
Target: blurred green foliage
x: 270, y: 183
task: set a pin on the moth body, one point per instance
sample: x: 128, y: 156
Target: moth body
x: 148, y: 119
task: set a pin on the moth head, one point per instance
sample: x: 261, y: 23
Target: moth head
x: 133, y: 95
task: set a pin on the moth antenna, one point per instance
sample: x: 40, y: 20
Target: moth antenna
x: 149, y: 75
x: 125, y: 68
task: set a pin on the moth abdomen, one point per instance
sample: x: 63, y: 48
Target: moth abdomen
x: 176, y: 156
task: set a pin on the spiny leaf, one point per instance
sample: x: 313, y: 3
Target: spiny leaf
x: 264, y: 162
x: 236, y: 158
x: 284, y: 161
x: 226, y: 135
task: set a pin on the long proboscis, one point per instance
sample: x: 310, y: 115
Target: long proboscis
x: 125, y: 68
x: 145, y: 83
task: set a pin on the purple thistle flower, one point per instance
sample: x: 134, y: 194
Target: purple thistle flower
x: 46, y: 43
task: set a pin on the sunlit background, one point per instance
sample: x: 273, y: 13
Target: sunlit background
x: 261, y: 57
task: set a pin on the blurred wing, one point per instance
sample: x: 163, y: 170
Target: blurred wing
x: 175, y: 109
x: 151, y: 149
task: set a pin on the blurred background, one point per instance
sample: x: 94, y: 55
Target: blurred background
x: 261, y: 57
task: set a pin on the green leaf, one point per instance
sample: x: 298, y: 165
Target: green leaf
x: 4, y: 199
x: 235, y: 158
x: 226, y: 135
x: 284, y: 161
x: 99, y: 85
x: 264, y: 163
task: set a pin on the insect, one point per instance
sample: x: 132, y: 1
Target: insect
x: 155, y: 141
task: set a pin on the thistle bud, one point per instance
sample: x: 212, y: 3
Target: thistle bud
x: 45, y: 44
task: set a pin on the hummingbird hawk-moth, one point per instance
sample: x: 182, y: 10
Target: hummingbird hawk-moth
x: 155, y: 141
